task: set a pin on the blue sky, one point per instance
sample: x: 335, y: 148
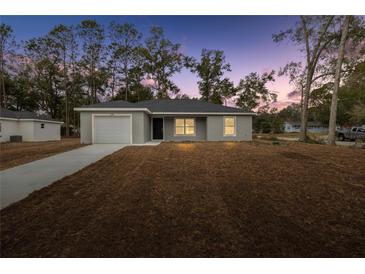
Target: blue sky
x: 246, y: 40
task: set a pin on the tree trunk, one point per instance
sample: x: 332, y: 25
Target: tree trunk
x: 304, y: 114
x: 126, y: 81
x: 341, y: 52
x: 93, y: 101
x: 2, y: 74
x: 67, y: 122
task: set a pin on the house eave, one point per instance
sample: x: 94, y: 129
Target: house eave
x: 165, y: 113
x: 206, y: 113
x: 114, y: 109
x: 30, y: 120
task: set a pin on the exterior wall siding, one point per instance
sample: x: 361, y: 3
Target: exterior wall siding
x: 50, y: 132
x: 8, y: 128
x: 200, y: 130
x: 138, y: 134
x: 30, y: 131
x: 147, y: 128
x: 26, y: 129
x: 85, y: 128
x: 215, y: 129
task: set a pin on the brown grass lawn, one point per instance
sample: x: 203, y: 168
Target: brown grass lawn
x: 290, y: 135
x: 198, y: 200
x: 14, y: 154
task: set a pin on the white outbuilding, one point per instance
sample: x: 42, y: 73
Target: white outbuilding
x: 31, y: 126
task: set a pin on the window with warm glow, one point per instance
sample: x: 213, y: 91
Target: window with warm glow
x: 184, y: 126
x: 229, y: 126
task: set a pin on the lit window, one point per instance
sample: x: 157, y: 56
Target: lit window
x: 229, y: 126
x: 184, y: 126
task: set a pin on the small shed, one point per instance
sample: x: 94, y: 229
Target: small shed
x: 31, y: 126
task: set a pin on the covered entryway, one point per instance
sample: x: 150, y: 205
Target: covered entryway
x: 112, y: 129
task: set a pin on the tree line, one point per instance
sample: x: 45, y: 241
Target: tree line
x: 350, y: 105
x: 88, y: 63
x: 333, y: 46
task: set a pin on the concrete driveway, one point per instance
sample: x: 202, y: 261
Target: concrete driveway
x: 18, y: 182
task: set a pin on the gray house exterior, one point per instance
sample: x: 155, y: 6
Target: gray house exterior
x: 163, y: 120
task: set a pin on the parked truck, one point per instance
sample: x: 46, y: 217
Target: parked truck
x: 354, y: 133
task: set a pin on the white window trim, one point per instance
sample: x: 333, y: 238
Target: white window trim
x: 182, y: 135
x: 235, y: 126
x: 111, y: 115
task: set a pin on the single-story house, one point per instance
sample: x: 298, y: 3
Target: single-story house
x: 163, y: 120
x: 31, y: 126
x: 311, y: 127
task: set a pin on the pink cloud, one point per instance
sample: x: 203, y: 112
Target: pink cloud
x: 295, y: 94
x: 148, y: 82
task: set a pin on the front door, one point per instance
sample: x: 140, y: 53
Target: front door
x: 157, y: 128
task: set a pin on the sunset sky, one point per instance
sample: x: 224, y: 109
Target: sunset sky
x: 246, y: 41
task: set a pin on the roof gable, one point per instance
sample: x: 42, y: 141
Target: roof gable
x: 6, y: 113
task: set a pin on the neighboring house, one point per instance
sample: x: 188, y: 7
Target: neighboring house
x: 312, y: 127
x: 164, y: 120
x: 29, y: 125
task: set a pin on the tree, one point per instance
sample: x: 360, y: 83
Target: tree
x: 63, y: 41
x: 182, y: 96
x: 213, y: 87
x: 341, y: 53
x: 6, y: 44
x: 268, y: 121
x: 124, y: 50
x: 291, y: 113
x: 92, y: 38
x: 312, y: 33
x: 140, y: 89
x: 46, y: 74
x: 21, y: 95
x: 163, y: 60
x: 319, y: 103
x: 294, y: 71
x: 252, y: 90
x: 358, y: 114
x: 350, y: 95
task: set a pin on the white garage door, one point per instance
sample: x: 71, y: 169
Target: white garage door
x: 112, y: 130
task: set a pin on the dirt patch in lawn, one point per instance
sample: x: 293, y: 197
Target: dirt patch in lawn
x: 14, y: 154
x: 198, y: 200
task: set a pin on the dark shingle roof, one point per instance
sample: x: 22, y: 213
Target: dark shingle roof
x: 112, y: 104
x: 23, y: 115
x: 172, y: 105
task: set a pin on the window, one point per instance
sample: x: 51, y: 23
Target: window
x: 42, y: 125
x: 229, y: 126
x: 184, y: 126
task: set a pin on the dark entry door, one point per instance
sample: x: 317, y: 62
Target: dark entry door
x: 157, y: 132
